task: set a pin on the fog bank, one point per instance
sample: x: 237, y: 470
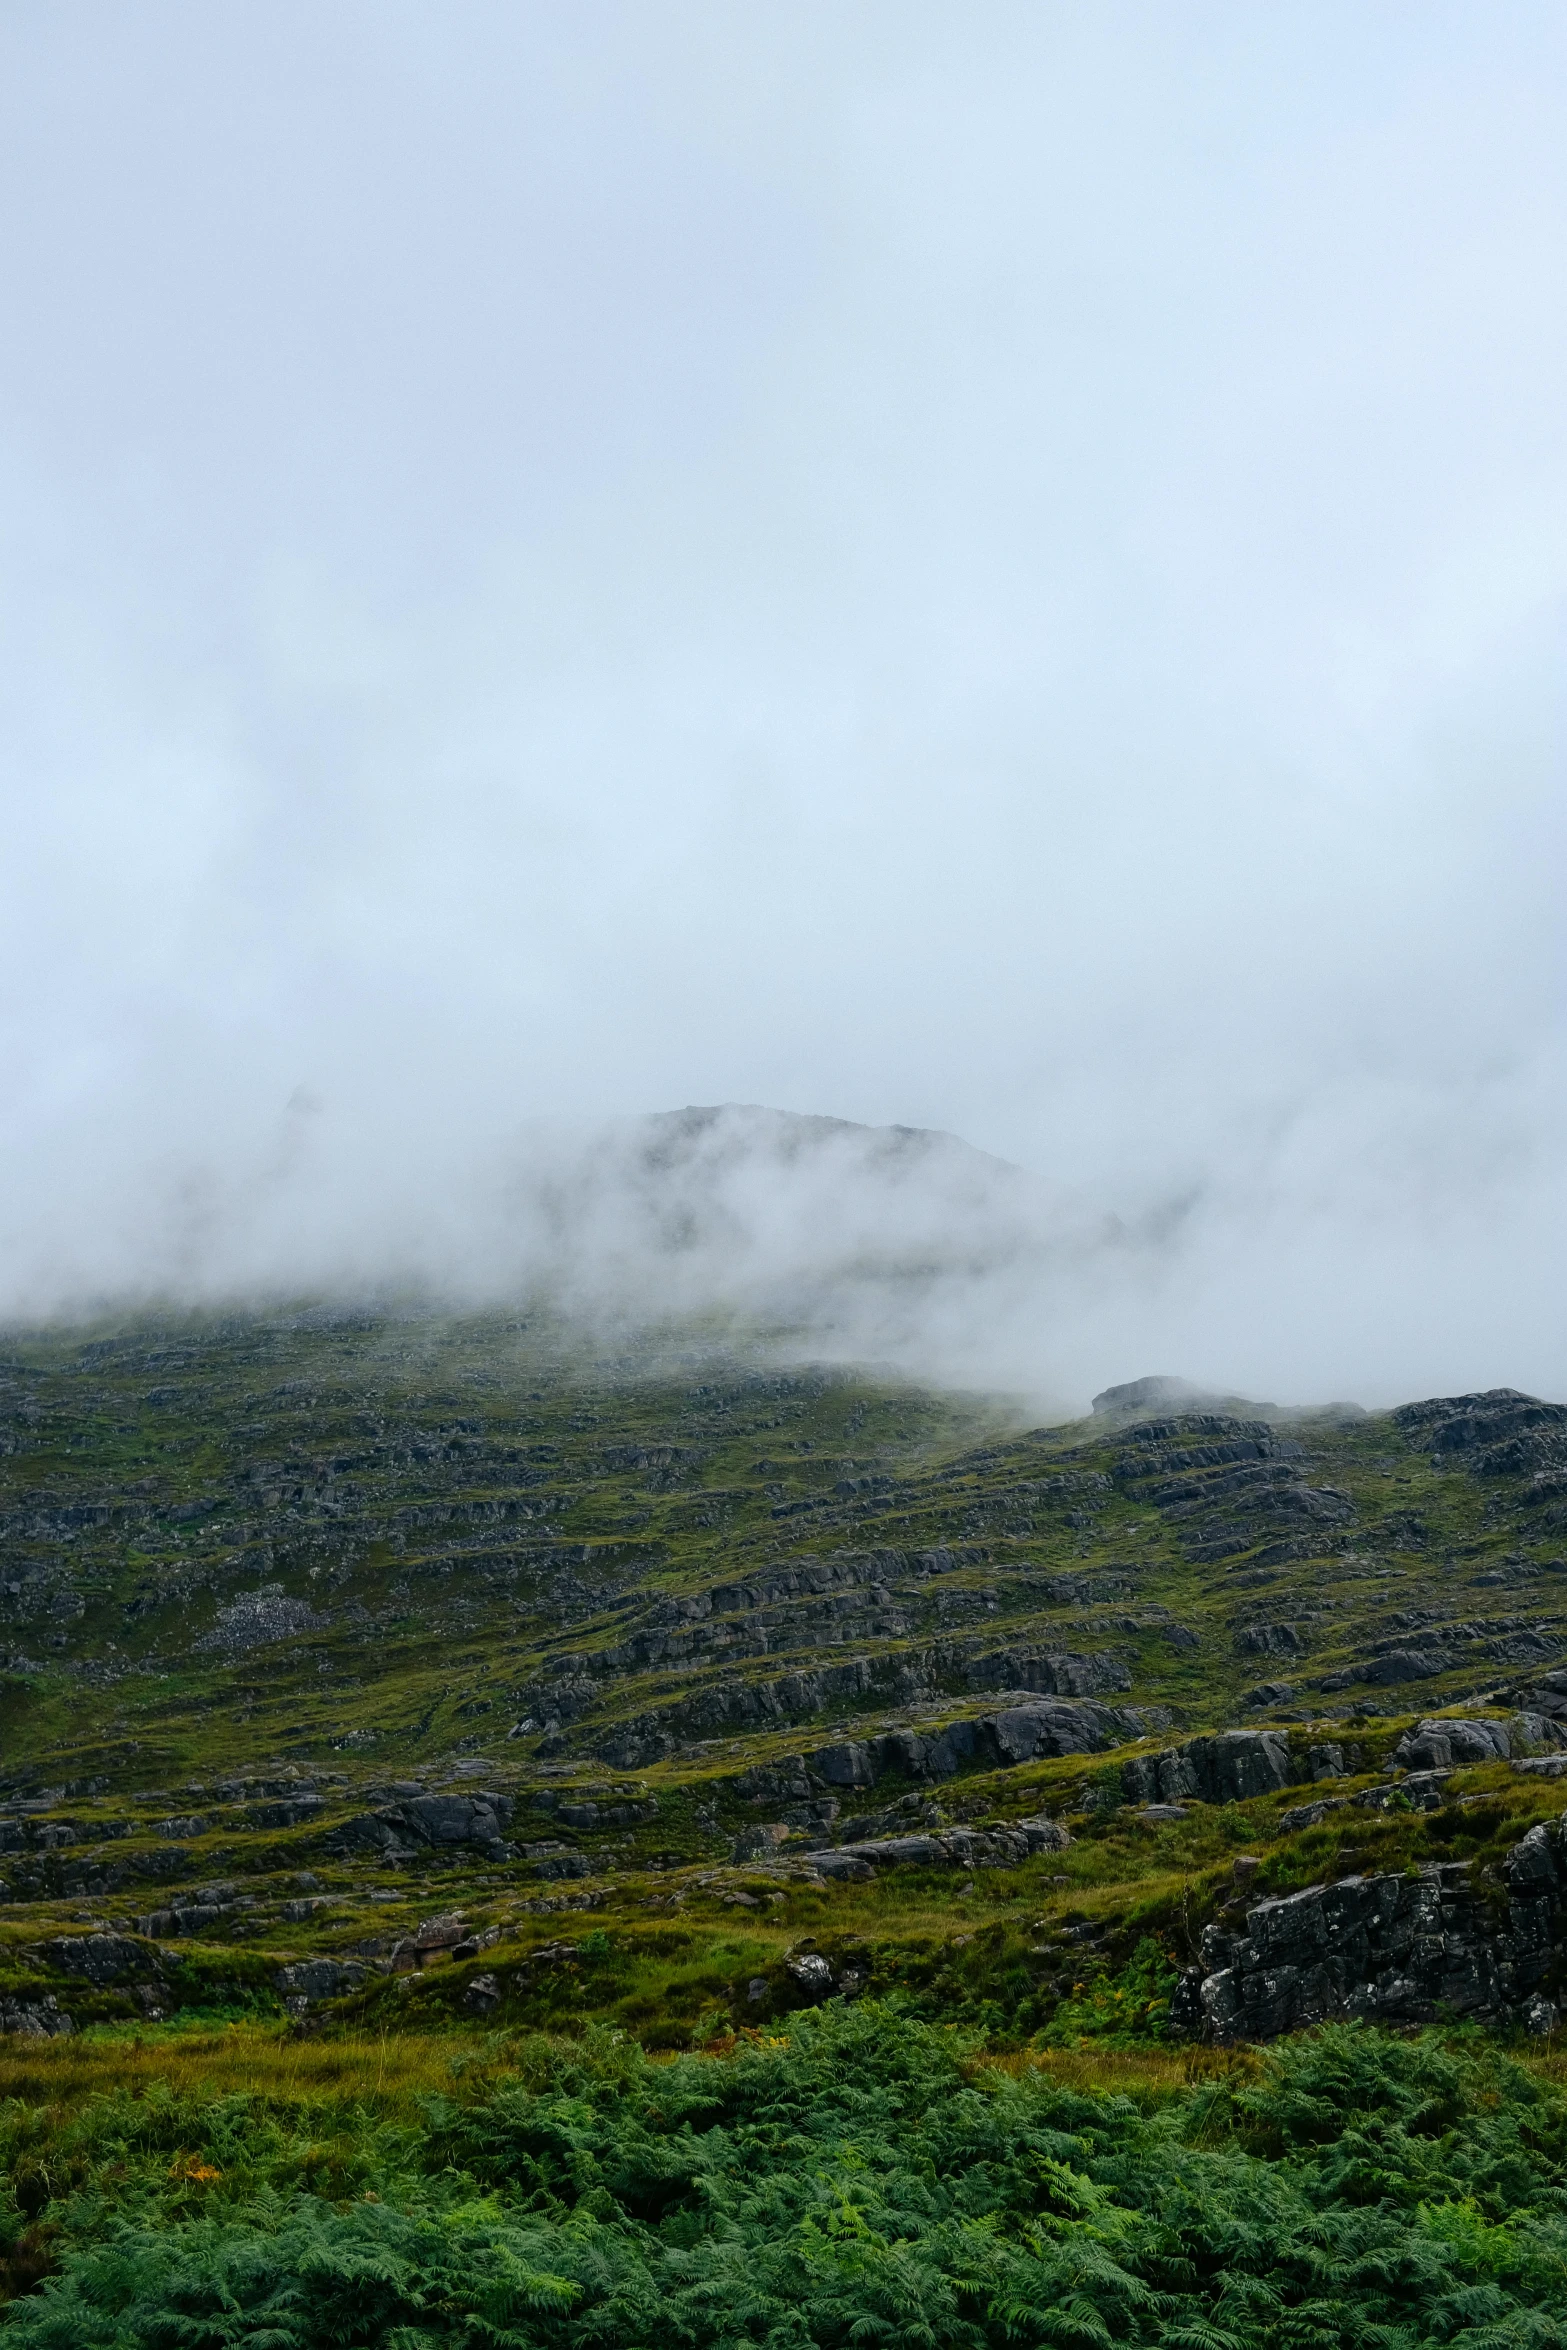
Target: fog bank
x: 993, y: 574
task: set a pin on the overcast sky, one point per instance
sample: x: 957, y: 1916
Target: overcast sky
x: 994, y: 568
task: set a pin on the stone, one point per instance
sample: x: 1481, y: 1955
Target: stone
x: 482, y: 1995
x: 1392, y: 1949
x: 852, y: 1866
x: 103, y: 1959
x: 397, y: 1830
x: 1230, y: 1766
x: 1445, y: 1745
x: 310, y: 1979
x: 1001, y: 1847
x: 810, y: 1972
x: 34, y: 2019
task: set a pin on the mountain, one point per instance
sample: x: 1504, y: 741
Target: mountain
x: 280, y: 1587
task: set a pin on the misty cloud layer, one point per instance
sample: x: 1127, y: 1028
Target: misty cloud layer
x: 999, y: 573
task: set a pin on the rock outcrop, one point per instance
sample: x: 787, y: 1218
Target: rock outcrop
x: 419, y: 1822
x: 1392, y: 1949
x: 35, y: 2019
x: 967, y: 1848
x: 1230, y: 1766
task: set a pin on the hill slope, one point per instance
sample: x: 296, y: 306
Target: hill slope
x: 312, y: 1618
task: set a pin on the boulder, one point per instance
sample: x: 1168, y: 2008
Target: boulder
x: 397, y: 1830
x: 1439, y: 1745
x: 310, y: 1979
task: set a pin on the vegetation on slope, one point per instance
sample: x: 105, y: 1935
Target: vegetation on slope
x: 859, y: 2180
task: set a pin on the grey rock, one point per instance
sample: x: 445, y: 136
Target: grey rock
x: 810, y: 1972
x: 1230, y: 1766
x: 35, y: 2019
x: 1311, y: 1815
x: 967, y: 1848
x: 425, y: 1821
x: 258, y: 1619
x: 482, y: 1995
x: 1392, y: 1949
x: 852, y: 1866
x: 1406, y: 1664
x: 1439, y: 1745
x: 293, y: 1811
x: 758, y: 1843
x: 310, y: 1979
x: 102, y: 1959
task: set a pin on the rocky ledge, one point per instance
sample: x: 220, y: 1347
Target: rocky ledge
x: 1393, y: 1949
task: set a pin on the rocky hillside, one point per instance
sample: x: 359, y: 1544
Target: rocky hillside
x: 334, y: 1641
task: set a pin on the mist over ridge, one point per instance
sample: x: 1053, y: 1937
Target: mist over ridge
x: 991, y: 576
x: 806, y: 1236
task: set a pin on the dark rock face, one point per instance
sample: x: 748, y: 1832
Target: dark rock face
x: 399, y: 1829
x: 992, y: 1848
x: 310, y: 1979
x: 102, y: 1959
x: 906, y: 1677
x: 1229, y: 1767
x: 1437, y: 1746
x: 292, y: 1812
x: 1022, y: 1733
x: 1498, y: 1433
x: 1408, y: 1664
x: 1226, y: 1484
x: 1394, y: 1949
x: 34, y: 2019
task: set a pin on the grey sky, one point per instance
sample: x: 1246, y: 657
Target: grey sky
x: 990, y: 568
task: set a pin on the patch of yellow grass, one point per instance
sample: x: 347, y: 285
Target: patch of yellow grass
x: 385, y: 2073
x: 1130, y: 2072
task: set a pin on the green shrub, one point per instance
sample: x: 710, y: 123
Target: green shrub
x: 849, y: 2185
